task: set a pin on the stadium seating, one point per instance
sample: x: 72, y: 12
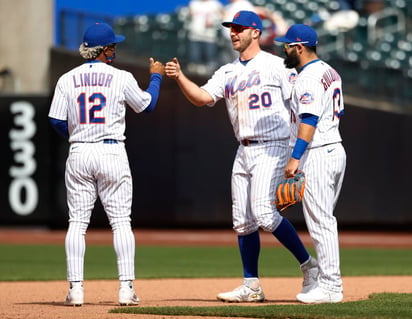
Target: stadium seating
x: 378, y: 48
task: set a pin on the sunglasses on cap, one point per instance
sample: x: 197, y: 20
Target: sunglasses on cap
x: 293, y: 44
x: 237, y: 28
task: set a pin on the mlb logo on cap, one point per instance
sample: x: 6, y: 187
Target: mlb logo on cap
x: 246, y: 19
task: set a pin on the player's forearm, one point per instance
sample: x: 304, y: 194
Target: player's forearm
x: 153, y: 90
x: 306, y: 132
x: 193, y: 92
x: 305, y: 136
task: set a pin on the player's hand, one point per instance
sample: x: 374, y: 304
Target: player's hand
x: 173, y: 69
x: 156, y: 67
x: 291, y: 167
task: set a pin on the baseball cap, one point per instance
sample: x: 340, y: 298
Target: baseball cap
x: 101, y: 34
x: 300, y: 33
x: 246, y: 19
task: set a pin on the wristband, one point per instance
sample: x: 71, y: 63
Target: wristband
x: 299, y: 149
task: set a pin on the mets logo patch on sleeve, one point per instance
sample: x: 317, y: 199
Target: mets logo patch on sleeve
x: 306, y: 98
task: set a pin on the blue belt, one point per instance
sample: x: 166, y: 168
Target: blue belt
x: 110, y: 141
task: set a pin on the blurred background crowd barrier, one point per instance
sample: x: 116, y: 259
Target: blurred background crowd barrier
x: 370, y: 46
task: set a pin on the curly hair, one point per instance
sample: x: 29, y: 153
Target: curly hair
x: 90, y: 53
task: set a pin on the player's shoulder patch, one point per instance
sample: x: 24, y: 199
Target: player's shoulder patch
x: 306, y: 98
x: 292, y: 76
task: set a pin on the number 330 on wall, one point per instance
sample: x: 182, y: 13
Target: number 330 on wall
x: 23, y: 190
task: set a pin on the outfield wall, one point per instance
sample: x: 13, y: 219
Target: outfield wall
x: 181, y: 158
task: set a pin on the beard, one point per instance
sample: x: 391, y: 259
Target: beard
x: 292, y: 60
x: 242, y: 45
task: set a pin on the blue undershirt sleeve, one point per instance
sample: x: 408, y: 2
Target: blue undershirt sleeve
x: 153, y: 90
x: 309, y: 119
x: 60, y: 126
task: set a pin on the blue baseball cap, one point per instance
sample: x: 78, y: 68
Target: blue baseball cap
x: 246, y: 19
x: 300, y: 33
x: 101, y: 34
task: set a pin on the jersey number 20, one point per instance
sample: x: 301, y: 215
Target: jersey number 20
x: 255, y: 100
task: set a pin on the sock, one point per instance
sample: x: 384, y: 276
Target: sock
x: 252, y: 283
x: 126, y: 283
x: 76, y: 284
x: 289, y: 238
x: 249, y: 246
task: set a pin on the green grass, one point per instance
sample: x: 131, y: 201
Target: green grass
x: 379, y: 306
x: 47, y: 262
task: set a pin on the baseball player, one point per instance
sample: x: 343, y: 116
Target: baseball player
x: 316, y: 109
x: 256, y: 88
x: 89, y: 107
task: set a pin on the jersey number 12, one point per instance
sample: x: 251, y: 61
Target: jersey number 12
x: 86, y: 112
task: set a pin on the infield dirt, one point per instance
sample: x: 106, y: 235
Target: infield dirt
x: 35, y: 300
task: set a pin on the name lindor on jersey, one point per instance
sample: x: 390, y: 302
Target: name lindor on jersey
x: 92, y: 79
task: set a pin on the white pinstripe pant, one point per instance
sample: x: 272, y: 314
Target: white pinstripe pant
x: 324, y: 168
x: 98, y: 169
x: 257, y: 169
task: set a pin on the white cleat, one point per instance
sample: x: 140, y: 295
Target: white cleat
x: 75, y: 297
x: 127, y: 297
x: 242, y: 294
x: 320, y: 295
x: 310, y: 271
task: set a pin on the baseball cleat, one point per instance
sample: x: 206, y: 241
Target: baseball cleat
x: 320, y: 295
x: 242, y: 294
x: 127, y: 297
x: 310, y: 271
x: 75, y: 297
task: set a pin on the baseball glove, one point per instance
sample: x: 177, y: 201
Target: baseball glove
x: 290, y: 191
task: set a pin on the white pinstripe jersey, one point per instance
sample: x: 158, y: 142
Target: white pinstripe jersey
x: 93, y: 97
x: 318, y: 91
x: 257, y: 96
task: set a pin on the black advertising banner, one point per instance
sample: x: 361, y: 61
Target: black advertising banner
x: 25, y: 180
x: 178, y: 179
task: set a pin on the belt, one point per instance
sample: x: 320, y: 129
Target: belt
x: 110, y: 141
x: 249, y: 142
